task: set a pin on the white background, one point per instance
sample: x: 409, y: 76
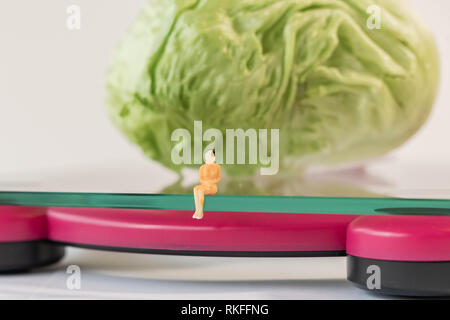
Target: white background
x: 52, y: 112
x: 52, y: 115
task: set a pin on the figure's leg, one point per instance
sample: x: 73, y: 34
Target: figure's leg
x: 197, y: 202
x: 199, y: 199
x: 202, y: 200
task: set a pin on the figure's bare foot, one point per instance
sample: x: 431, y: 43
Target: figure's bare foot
x: 198, y: 215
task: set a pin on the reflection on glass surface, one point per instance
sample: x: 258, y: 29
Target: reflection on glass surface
x: 389, y: 177
x: 385, y: 186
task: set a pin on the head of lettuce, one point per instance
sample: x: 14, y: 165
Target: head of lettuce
x: 338, y: 88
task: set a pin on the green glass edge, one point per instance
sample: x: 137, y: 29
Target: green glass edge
x: 282, y: 204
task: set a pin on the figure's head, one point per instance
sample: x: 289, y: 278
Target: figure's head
x: 210, y: 156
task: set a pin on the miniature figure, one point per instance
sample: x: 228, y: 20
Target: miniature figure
x: 209, y: 177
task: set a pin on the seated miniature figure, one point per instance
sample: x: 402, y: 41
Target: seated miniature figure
x: 209, y: 177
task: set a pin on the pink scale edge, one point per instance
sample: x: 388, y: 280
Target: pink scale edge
x: 218, y: 231
x: 19, y: 224
x: 394, y: 238
x: 400, y: 238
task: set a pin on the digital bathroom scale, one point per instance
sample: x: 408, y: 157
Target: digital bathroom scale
x: 408, y: 238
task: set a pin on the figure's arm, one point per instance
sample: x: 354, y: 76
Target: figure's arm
x: 218, y: 176
x: 202, y: 173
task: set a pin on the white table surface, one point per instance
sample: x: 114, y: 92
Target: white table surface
x: 112, y: 275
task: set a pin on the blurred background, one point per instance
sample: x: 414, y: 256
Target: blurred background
x: 53, y: 122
